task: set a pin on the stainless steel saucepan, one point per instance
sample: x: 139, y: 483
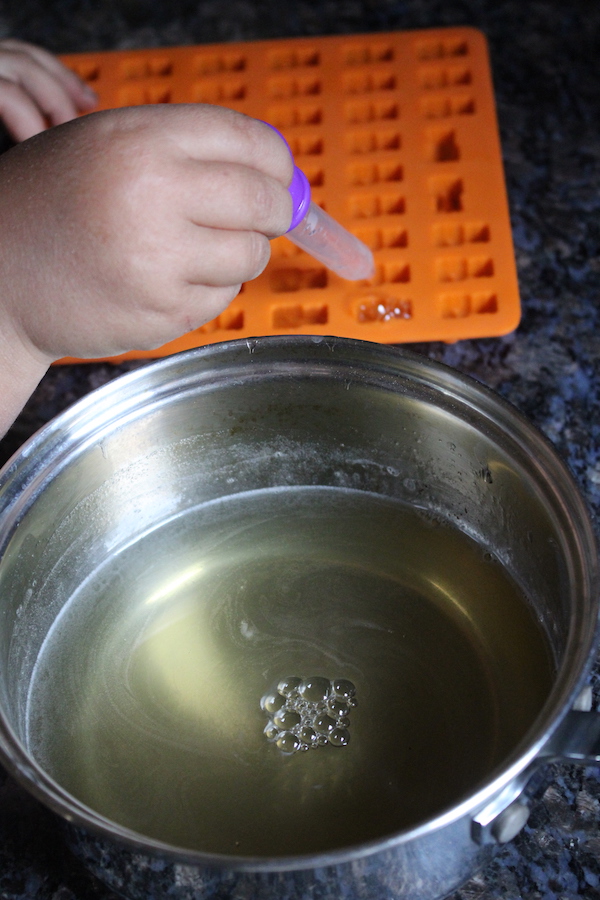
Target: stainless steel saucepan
x: 283, y: 412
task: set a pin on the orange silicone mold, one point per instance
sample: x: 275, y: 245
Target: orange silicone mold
x: 397, y: 134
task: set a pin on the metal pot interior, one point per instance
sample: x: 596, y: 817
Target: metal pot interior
x: 278, y: 417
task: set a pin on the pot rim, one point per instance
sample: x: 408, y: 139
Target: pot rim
x: 82, y: 423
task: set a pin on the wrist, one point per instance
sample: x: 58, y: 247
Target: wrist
x: 21, y: 369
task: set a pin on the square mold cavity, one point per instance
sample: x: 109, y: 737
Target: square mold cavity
x: 152, y: 67
x: 217, y: 62
x: 460, y: 306
x: 299, y: 316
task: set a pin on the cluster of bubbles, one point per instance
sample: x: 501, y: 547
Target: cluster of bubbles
x: 309, y: 712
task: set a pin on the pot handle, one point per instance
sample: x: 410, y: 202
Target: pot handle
x: 576, y: 740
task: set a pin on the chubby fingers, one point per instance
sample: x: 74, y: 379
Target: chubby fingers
x: 200, y: 132
x: 20, y: 114
x: 211, y: 225
x: 234, y: 196
x: 80, y: 93
x: 37, y: 90
x: 224, y: 258
x: 199, y: 204
x: 228, y: 136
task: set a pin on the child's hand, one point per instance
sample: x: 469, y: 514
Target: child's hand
x: 36, y: 90
x: 125, y: 229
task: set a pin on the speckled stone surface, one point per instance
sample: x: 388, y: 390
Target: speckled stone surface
x: 546, y: 64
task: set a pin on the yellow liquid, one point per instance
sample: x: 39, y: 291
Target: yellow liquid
x: 146, y: 698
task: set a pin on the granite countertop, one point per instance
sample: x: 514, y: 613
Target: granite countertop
x: 546, y: 69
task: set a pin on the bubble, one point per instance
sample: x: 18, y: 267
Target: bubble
x: 337, y: 707
x: 315, y: 689
x: 288, y: 742
x: 271, y: 731
x: 308, y: 735
x: 323, y: 724
x: 288, y: 687
x: 343, y: 688
x: 339, y: 737
x: 309, y: 712
x: 272, y: 703
x: 286, y: 718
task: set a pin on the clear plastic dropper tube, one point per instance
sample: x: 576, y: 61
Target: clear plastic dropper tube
x: 319, y: 234
x: 334, y: 246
